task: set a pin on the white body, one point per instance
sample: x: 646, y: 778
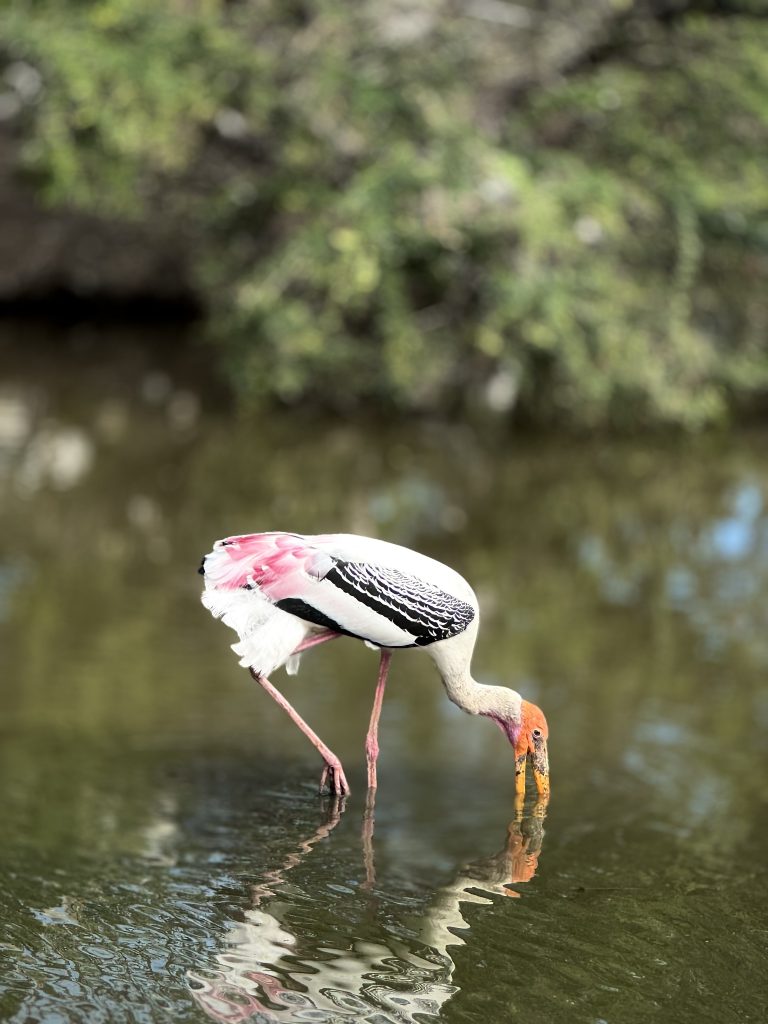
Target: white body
x: 277, y: 567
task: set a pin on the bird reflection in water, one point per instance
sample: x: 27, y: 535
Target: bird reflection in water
x: 267, y: 973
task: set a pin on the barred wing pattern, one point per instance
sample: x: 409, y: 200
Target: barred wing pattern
x: 416, y: 607
x: 270, y: 587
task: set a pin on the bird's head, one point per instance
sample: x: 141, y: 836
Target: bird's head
x: 525, y: 726
x: 532, y: 742
x: 528, y: 732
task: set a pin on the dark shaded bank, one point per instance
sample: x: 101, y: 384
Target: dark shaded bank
x: 69, y: 264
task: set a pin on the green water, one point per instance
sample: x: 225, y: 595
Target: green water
x: 163, y: 854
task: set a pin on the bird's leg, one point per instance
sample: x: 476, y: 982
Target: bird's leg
x: 333, y: 772
x: 316, y: 640
x: 372, y: 740
x: 367, y: 837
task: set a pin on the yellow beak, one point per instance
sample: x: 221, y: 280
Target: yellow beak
x: 536, y: 749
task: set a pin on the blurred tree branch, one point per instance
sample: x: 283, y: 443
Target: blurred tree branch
x: 549, y: 210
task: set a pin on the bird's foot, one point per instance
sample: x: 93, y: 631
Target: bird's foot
x: 334, y: 775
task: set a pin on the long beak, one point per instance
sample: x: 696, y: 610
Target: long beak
x: 537, y: 751
x: 540, y: 759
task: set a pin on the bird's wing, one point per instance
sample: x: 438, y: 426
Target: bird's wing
x: 385, y: 604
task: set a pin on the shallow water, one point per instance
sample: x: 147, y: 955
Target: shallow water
x: 163, y: 853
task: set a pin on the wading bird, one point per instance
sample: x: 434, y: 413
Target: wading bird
x: 284, y: 593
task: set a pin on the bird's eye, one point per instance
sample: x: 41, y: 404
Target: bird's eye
x: 536, y: 733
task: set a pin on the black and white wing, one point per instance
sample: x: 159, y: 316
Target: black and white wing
x: 370, y: 589
x: 421, y: 611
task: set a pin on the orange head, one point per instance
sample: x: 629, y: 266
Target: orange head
x: 531, y: 741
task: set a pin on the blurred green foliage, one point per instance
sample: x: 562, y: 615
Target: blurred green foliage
x: 555, y: 213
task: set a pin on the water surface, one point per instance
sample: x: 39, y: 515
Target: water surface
x: 163, y: 853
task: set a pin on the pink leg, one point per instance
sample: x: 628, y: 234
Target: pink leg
x: 332, y: 770
x: 367, y: 837
x: 372, y: 739
x: 316, y: 640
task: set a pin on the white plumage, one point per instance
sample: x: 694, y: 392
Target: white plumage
x: 268, y: 635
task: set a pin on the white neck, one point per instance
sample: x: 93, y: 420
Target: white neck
x: 453, y: 658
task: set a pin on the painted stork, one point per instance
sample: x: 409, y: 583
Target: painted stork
x: 284, y: 593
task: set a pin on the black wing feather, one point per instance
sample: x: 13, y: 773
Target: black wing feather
x: 419, y: 608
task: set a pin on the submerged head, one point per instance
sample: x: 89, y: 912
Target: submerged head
x: 531, y: 741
